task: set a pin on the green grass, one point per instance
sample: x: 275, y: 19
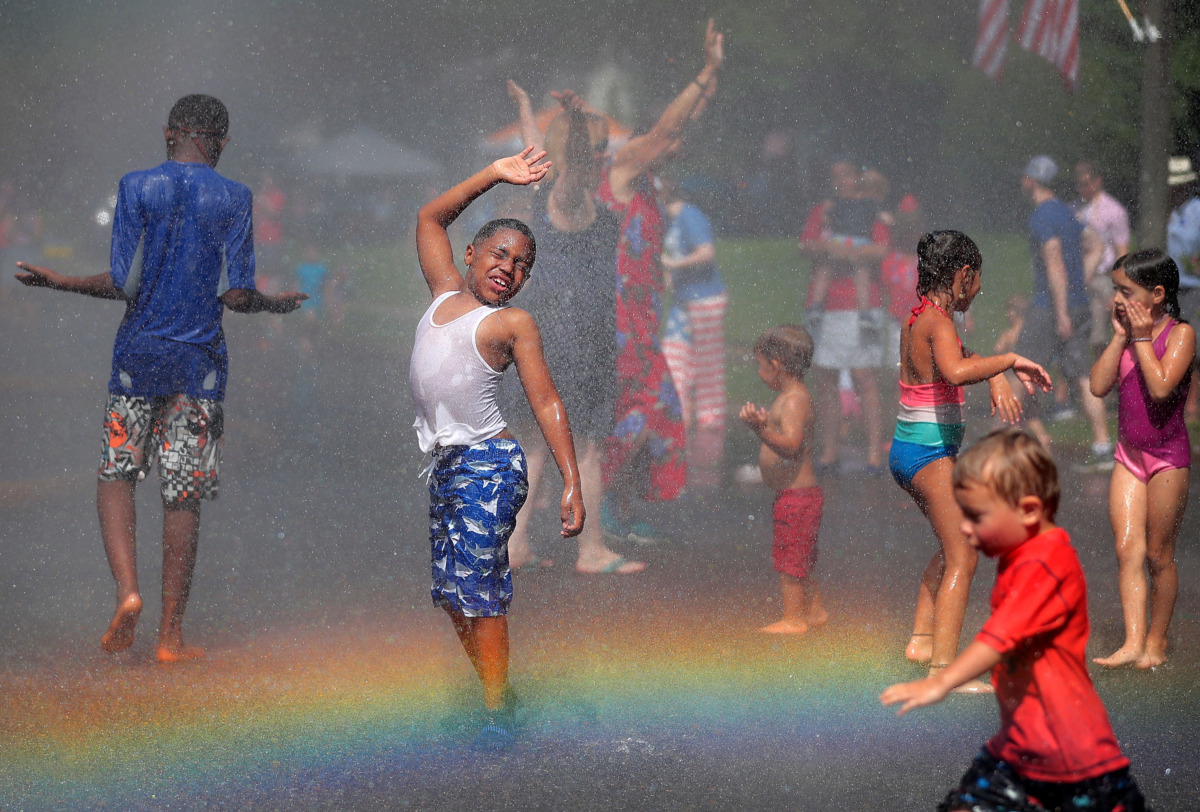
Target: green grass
x: 767, y: 282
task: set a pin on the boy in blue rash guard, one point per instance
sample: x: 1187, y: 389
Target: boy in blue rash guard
x: 465, y: 341
x: 182, y: 251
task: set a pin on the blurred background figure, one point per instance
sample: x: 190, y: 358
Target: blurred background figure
x: 694, y: 334
x: 645, y: 456
x: 572, y: 296
x: 840, y: 343
x: 1109, y: 221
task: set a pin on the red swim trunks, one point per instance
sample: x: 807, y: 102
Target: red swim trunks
x: 797, y: 515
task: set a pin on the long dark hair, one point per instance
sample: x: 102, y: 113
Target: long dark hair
x: 940, y: 255
x: 1150, y: 268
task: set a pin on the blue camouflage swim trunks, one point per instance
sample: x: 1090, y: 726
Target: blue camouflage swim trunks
x: 474, y: 494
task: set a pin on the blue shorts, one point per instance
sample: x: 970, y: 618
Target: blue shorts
x: 907, y: 459
x: 990, y: 785
x: 474, y: 494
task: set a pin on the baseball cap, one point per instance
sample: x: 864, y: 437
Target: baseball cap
x: 1042, y: 169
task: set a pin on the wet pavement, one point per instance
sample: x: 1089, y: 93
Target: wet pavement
x: 331, y: 683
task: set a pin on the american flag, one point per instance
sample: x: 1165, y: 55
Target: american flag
x: 991, y: 43
x: 1050, y: 28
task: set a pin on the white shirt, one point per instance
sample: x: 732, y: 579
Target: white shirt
x: 453, y: 388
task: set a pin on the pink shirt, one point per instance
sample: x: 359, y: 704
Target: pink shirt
x: 1108, y: 218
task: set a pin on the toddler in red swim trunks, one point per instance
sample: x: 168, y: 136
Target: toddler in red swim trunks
x: 783, y: 354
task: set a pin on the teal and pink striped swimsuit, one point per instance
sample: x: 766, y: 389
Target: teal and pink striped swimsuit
x: 930, y: 424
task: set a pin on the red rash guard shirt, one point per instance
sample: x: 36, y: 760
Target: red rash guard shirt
x: 1053, y: 726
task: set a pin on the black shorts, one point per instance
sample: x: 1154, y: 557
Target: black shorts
x: 1039, y: 342
x: 990, y: 785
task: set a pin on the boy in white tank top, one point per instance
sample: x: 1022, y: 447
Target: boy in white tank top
x: 465, y: 341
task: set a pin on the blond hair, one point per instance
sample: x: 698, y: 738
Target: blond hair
x: 1013, y: 465
x: 790, y: 345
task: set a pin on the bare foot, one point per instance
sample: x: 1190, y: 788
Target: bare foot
x: 816, y: 616
x: 1125, y: 655
x: 1153, y: 658
x: 179, y: 654
x: 611, y: 564
x: 974, y: 686
x: 120, y: 631
x: 920, y: 648
x: 533, y: 562
x: 785, y: 626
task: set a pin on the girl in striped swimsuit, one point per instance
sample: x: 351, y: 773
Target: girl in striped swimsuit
x: 934, y: 367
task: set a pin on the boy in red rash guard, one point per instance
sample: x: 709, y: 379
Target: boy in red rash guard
x: 1056, y: 748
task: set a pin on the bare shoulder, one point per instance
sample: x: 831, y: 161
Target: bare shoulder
x: 508, y: 325
x: 792, y: 405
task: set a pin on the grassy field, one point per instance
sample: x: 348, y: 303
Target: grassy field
x: 767, y: 280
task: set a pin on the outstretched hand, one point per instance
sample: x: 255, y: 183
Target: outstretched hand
x: 915, y: 694
x: 1032, y: 375
x: 287, y: 302
x: 714, y: 46
x: 36, y: 276
x: 523, y: 168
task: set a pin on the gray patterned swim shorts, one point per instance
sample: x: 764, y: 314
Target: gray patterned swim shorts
x: 183, y: 434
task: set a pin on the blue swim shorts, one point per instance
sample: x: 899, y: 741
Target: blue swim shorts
x: 907, y: 459
x: 475, y: 492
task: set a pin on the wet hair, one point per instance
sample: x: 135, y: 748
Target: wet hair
x: 1150, y: 268
x: 501, y: 224
x: 790, y: 345
x: 203, y: 117
x: 940, y: 255
x: 1013, y: 465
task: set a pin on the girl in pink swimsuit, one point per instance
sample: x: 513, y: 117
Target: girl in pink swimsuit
x: 1149, y: 360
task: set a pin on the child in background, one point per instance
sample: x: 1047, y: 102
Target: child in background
x: 783, y: 354
x: 1149, y: 360
x: 934, y: 367
x: 1055, y: 748
x: 465, y: 341
x: 851, y: 220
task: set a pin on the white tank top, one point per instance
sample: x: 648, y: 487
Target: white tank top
x: 453, y: 388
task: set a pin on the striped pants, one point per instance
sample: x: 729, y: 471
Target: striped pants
x: 694, y: 346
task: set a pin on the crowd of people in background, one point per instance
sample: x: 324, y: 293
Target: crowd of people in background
x: 637, y: 388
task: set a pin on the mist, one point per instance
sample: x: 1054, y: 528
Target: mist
x: 330, y: 680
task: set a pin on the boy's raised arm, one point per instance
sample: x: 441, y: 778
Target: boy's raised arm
x: 434, y: 253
